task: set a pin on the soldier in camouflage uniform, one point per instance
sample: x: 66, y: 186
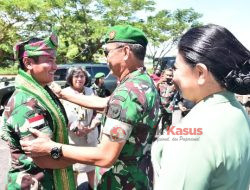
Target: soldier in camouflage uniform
x: 98, y: 86
x: 33, y: 105
x: 167, y: 93
x: 131, y: 116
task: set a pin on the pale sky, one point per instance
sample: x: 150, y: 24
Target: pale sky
x: 232, y: 14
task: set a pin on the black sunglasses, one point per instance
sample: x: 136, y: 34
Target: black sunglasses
x: 106, y: 52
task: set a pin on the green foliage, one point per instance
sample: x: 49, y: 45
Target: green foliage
x: 7, y: 38
x: 165, y: 28
x: 81, y: 24
x: 11, y: 69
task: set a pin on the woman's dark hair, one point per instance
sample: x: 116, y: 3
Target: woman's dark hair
x: 225, y: 57
x: 76, y: 70
x: 21, y: 51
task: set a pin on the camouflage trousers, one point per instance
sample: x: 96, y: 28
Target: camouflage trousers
x: 129, y: 175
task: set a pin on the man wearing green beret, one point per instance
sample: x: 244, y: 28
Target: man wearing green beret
x: 99, y: 75
x: 132, y: 111
x: 131, y: 116
x: 33, y: 105
x: 98, y: 86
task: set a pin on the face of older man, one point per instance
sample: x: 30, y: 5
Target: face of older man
x: 115, y: 56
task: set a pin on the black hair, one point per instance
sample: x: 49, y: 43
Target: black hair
x: 21, y: 52
x: 168, y: 69
x: 138, y: 50
x: 75, y: 70
x: 225, y: 57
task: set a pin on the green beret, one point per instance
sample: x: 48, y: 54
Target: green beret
x: 127, y: 34
x: 99, y: 75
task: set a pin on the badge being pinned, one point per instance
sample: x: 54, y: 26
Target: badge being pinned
x: 54, y: 39
x: 36, y: 122
x: 117, y: 133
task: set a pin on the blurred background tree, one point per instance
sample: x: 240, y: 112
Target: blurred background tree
x: 81, y: 25
x: 165, y: 28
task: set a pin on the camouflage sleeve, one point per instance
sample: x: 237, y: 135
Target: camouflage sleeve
x: 117, y: 130
x: 28, y: 115
x: 125, y: 110
x: 21, y: 113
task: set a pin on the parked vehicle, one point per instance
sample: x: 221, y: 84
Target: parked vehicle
x: 6, y: 90
x: 165, y: 62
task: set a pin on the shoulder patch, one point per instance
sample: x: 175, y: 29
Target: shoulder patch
x: 117, y: 133
x: 114, y: 111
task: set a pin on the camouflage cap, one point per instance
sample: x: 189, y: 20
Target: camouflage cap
x: 99, y: 75
x: 37, y: 48
x: 127, y: 34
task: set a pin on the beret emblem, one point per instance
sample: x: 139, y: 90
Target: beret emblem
x: 112, y: 35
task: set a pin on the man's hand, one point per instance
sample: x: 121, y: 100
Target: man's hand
x: 56, y: 88
x: 95, y: 122
x: 40, y: 146
x: 81, y: 131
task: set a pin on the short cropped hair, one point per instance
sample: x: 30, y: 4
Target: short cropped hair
x: 138, y: 50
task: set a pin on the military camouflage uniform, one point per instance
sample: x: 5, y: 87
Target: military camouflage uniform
x: 21, y: 112
x: 100, y: 91
x: 131, y: 115
x: 167, y: 93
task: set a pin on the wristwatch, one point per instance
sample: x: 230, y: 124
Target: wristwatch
x: 56, y: 152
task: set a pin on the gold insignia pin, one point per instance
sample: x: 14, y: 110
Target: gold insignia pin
x: 112, y: 35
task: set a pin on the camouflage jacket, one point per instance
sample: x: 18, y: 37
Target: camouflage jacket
x: 132, y: 114
x: 100, y: 91
x: 167, y: 94
x: 21, y: 112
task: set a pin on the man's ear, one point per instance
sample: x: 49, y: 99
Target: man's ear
x: 27, y: 63
x: 202, y: 73
x: 126, y: 51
